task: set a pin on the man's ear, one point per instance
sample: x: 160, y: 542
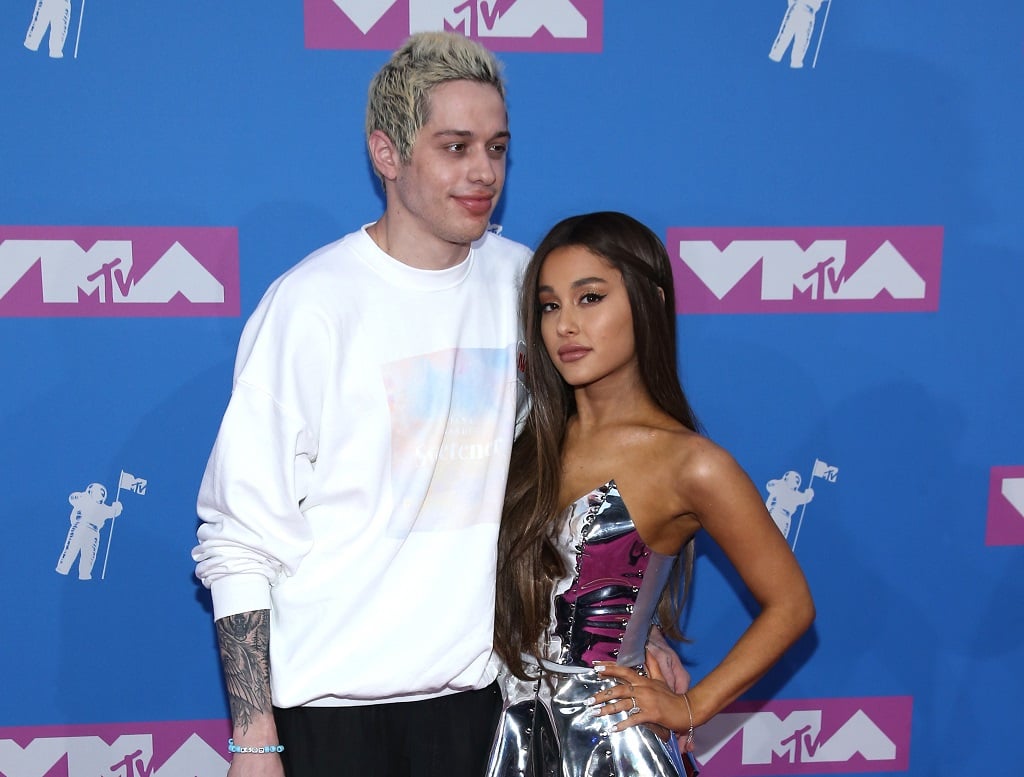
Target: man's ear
x: 384, y: 155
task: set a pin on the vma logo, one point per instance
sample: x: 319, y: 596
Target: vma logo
x: 501, y: 25
x: 169, y: 749
x: 1005, y: 506
x: 806, y: 269
x: 810, y: 736
x: 118, y: 271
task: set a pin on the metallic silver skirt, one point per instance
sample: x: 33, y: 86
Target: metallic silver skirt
x: 547, y: 730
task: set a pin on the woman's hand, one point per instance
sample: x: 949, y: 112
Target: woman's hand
x: 647, y: 700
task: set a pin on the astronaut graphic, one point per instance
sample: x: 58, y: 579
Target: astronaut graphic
x: 52, y: 14
x: 89, y: 512
x: 784, y: 497
x: 786, y: 503
x: 797, y: 28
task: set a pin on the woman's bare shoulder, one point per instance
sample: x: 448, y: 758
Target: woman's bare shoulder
x: 691, y: 453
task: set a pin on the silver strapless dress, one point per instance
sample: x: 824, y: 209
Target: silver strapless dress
x: 602, y: 611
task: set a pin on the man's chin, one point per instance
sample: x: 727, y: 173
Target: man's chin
x: 471, y: 235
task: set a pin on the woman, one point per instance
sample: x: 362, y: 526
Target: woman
x: 609, y: 483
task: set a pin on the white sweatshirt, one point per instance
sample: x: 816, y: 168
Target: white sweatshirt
x: 355, y: 486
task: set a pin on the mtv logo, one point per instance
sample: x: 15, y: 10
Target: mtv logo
x: 808, y: 736
x: 118, y: 271
x: 501, y: 25
x: 164, y: 749
x: 82, y: 754
x: 806, y: 269
x: 1005, y: 524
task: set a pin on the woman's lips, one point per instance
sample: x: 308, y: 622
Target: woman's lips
x: 572, y: 353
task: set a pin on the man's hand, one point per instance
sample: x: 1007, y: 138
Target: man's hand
x: 671, y: 667
x: 256, y: 765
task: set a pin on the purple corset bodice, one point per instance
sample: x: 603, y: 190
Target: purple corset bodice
x: 604, y: 610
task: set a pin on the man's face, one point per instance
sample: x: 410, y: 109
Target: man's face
x: 446, y: 193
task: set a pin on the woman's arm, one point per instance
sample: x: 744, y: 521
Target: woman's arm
x: 728, y: 506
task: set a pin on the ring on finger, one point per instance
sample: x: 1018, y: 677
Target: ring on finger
x: 634, y: 709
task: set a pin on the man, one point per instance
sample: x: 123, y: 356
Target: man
x: 351, y: 502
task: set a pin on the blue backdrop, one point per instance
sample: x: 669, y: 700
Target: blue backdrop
x: 210, y: 146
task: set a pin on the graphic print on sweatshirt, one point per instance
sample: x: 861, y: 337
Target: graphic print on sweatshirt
x: 449, y: 417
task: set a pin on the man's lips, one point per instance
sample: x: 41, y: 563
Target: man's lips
x: 477, y: 204
x: 572, y: 353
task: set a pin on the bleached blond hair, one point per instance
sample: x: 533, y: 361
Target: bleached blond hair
x: 399, y: 98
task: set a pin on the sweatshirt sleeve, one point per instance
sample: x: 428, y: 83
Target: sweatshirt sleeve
x: 252, y: 529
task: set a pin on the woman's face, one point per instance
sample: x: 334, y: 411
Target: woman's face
x: 586, y: 319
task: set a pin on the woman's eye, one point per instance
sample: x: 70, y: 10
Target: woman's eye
x: 547, y: 307
x: 591, y: 297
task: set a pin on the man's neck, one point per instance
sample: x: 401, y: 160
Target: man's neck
x: 423, y: 254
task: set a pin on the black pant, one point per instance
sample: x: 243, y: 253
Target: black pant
x: 449, y: 736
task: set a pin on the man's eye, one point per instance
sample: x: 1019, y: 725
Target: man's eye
x: 457, y: 147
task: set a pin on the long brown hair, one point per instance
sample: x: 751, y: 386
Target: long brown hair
x: 528, y: 561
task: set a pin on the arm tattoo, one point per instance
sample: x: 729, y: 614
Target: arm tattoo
x: 245, y: 656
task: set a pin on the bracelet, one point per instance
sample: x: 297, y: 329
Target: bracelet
x: 233, y: 748
x: 689, y: 711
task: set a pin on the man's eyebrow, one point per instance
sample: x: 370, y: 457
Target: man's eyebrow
x: 505, y: 134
